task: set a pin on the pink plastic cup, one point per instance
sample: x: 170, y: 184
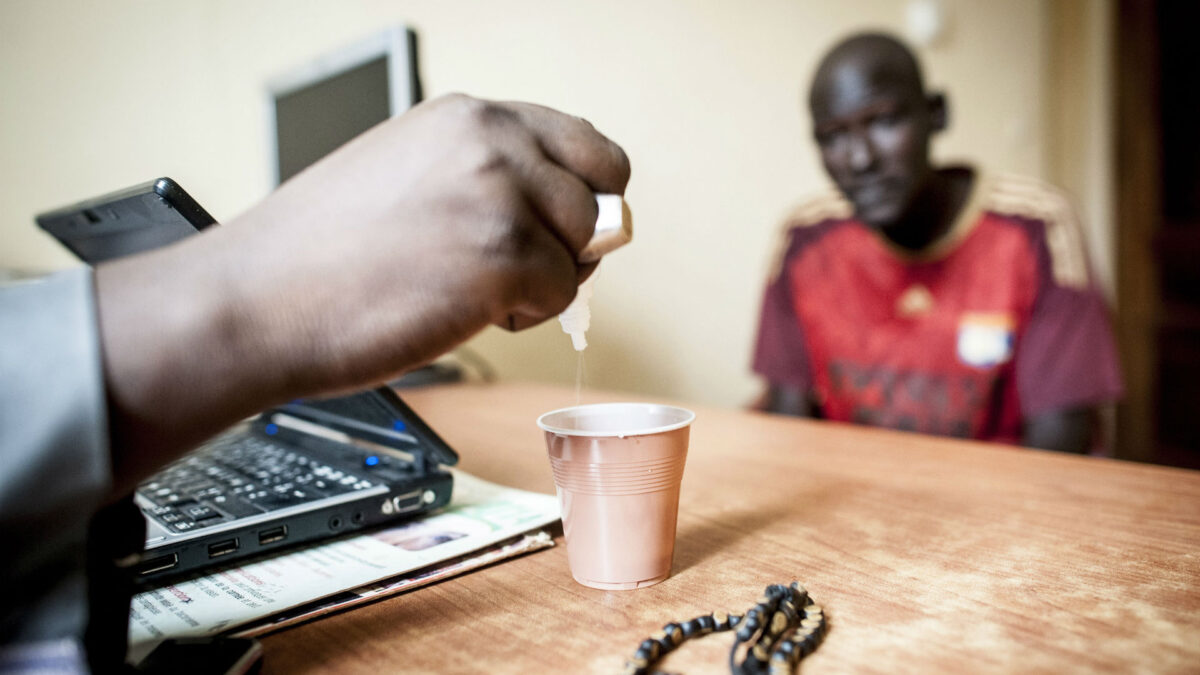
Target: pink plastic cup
x: 617, y: 468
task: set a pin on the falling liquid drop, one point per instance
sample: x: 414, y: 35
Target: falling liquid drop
x: 578, y: 377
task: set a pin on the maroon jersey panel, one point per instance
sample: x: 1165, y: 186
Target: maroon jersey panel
x: 1068, y: 356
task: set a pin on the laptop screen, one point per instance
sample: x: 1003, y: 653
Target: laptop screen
x: 313, y: 121
x: 318, y: 106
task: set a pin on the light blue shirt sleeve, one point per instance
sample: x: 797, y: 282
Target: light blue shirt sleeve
x: 54, y: 466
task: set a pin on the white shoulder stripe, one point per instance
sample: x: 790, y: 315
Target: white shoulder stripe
x: 823, y: 206
x: 1032, y: 199
x: 827, y: 205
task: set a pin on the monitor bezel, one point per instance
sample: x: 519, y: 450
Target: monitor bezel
x: 398, y: 44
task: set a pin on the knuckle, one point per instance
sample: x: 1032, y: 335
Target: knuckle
x: 470, y: 113
x: 453, y: 105
x: 621, y: 162
x: 561, y: 295
x: 511, y: 241
x: 488, y: 159
x: 461, y: 101
x: 500, y: 282
x: 544, y: 285
x: 453, y: 98
x: 489, y: 113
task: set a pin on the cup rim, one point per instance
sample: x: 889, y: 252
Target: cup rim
x: 689, y: 418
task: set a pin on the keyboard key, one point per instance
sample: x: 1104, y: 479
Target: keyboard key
x: 201, y: 512
x: 239, y: 508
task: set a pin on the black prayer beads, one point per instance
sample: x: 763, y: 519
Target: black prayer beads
x: 771, y: 638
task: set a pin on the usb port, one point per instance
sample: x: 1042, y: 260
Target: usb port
x: 222, y: 548
x: 408, y: 501
x: 159, y: 564
x: 272, y: 535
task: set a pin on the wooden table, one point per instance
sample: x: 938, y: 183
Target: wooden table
x: 929, y: 555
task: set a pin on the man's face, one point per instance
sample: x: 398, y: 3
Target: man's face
x: 873, y: 132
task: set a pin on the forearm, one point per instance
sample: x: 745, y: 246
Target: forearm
x: 1062, y: 431
x: 180, y: 355
x: 789, y: 401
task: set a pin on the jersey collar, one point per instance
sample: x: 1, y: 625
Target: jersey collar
x: 963, y: 225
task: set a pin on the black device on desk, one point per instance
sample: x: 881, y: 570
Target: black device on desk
x: 203, y: 656
x: 133, y: 220
x: 300, y: 472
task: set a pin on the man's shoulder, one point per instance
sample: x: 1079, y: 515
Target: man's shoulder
x: 1020, y: 196
x: 1050, y: 216
x: 825, y: 207
x: 818, y: 214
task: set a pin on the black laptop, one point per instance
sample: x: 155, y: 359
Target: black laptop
x: 297, y: 473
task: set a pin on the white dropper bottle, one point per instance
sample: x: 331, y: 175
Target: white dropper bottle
x: 614, y: 229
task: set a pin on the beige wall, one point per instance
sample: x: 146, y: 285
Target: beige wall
x: 1080, y: 117
x: 705, y: 96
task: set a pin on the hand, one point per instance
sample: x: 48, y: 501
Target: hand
x: 392, y: 250
x: 419, y: 233
x: 1069, y: 430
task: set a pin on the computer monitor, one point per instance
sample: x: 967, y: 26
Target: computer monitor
x: 318, y: 106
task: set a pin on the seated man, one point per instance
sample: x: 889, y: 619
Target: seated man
x: 937, y: 300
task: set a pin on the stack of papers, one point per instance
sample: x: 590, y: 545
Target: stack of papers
x: 484, y: 523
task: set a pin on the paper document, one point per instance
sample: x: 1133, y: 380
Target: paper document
x: 480, y: 515
x: 525, y: 543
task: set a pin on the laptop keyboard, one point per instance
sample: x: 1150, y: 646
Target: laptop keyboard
x: 239, y: 476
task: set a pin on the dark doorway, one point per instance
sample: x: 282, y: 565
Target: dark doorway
x: 1158, y: 230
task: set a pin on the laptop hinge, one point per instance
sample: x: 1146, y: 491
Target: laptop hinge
x: 307, y: 421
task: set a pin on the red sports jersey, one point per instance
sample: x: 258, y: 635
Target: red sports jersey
x: 994, y: 323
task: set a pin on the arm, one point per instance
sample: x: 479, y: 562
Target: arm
x: 780, y: 352
x: 1061, y: 430
x: 788, y: 400
x: 392, y: 250
x: 1066, y: 361
x: 55, y: 459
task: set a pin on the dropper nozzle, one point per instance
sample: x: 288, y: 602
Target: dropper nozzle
x: 614, y: 228
x: 577, y: 317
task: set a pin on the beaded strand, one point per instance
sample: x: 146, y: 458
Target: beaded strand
x: 772, y: 637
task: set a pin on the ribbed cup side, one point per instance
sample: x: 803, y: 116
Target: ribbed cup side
x: 623, y: 478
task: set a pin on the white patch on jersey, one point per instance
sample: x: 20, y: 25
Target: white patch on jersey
x: 985, y: 340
